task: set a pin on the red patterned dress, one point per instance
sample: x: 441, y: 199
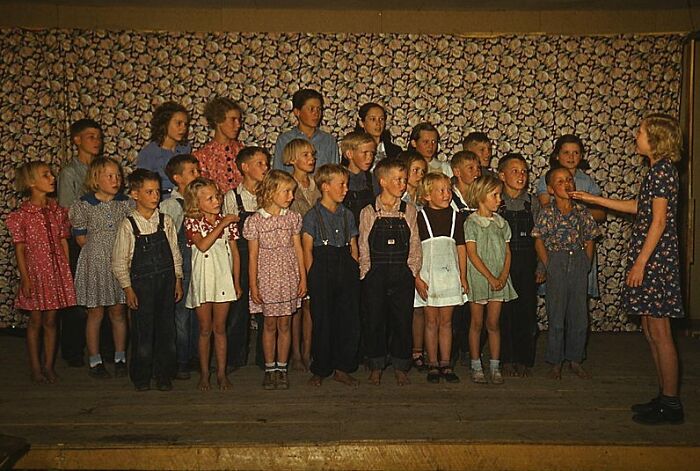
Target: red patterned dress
x: 218, y: 162
x: 41, y: 229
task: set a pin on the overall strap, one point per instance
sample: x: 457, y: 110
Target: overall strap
x: 368, y: 180
x: 402, y: 207
x: 346, y: 227
x: 161, y: 221
x: 321, y: 226
x: 134, y: 227
x: 181, y: 202
x: 239, y: 201
x: 427, y: 223
x: 454, y: 220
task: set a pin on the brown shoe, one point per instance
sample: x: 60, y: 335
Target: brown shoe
x: 282, y: 380
x: 269, y: 380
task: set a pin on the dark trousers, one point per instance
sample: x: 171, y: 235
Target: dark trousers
x: 238, y: 321
x: 186, y: 328
x: 387, y: 298
x: 567, y: 306
x: 334, y: 288
x: 460, y: 333
x: 153, y: 329
x: 519, y: 317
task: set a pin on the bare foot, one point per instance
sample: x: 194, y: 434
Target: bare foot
x: 38, y: 377
x: 555, y: 372
x: 298, y: 364
x: 315, y: 380
x: 375, y: 377
x: 50, y: 375
x: 203, y: 384
x: 401, y: 378
x: 306, y: 359
x: 223, y: 383
x: 524, y: 371
x: 508, y: 369
x: 579, y: 371
x: 346, y: 379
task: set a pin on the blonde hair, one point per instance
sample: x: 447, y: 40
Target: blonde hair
x: 96, y: 167
x: 191, y: 195
x: 664, y: 135
x: 294, y: 148
x: 26, y: 174
x: 326, y: 172
x: 480, y: 188
x: 354, y: 140
x: 429, y: 180
x: 270, y: 184
x: 462, y: 157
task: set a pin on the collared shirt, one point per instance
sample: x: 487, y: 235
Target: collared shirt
x: 437, y: 165
x: 367, y: 218
x: 218, y: 162
x: 325, y: 145
x: 250, y: 202
x: 457, y: 194
x: 154, y: 158
x: 172, y: 208
x: 71, y: 182
x: 305, y: 198
x: 335, y: 225
x: 565, y: 232
x: 123, y: 250
x: 358, y: 182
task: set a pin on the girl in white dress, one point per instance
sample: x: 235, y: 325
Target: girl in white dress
x: 215, y: 272
x: 442, y: 281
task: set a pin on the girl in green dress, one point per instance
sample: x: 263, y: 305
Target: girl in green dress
x: 487, y: 236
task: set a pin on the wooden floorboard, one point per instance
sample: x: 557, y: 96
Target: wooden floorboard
x: 527, y: 423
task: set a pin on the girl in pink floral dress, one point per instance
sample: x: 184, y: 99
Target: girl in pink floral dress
x: 40, y: 230
x: 277, y: 274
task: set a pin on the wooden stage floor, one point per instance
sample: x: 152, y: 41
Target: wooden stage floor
x: 527, y: 423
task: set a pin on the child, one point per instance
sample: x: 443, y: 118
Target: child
x: 147, y: 264
x: 480, y: 144
x: 568, y: 153
x: 40, y: 230
x: 564, y: 235
x: 169, y: 129
x: 215, y: 273
x: 307, y: 107
x: 329, y: 241
x: 358, y: 149
x: 442, y: 281
x: 253, y: 163
x: 390, y: 258
x: 218, y: 157
x: 425, y: 139
x: 181, y: 170
x: 466, y: 169
x: 95, y: 218
x: 277, y: 274
x: 519, y: 317
x: 417, y: 168
x: 372, y: 120
x: 488, y: 236
x: 300, y: 154
x: 86, y: 136
x: 653, y: 288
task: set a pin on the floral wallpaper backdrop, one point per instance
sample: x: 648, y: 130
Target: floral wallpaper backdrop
x: 524, y: 91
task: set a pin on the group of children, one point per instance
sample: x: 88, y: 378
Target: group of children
x: 375, y: 260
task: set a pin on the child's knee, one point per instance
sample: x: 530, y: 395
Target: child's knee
x: 117, y: 317
x: 283, y: 324
x: 49, y: 322
x: 493, y: 326
x: 204, y: 332
x: 219, y: 329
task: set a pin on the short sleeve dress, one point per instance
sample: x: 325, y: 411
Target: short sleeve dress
x: 491, y: 236
x: 278, y: 269
x: 660, y: 292
x: 95, y: 284
x: 41, y: 230
x: 212, y: 271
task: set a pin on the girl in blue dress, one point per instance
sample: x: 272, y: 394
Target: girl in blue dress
x: 652, y: 286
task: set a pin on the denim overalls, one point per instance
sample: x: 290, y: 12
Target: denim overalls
x: 387, y: 293
x: 152, y: 324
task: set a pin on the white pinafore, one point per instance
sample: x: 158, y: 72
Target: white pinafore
x: 212, y: 274
x: 440, y: 269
